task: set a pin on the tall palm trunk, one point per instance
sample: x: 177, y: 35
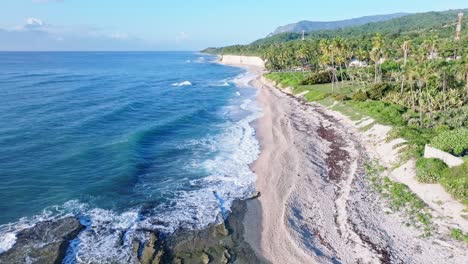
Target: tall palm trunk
x: 402, y: 85
x: 420, y: 105
x: 444, y: 88
x: 341, y: 74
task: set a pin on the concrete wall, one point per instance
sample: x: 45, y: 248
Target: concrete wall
x: 449, y: 159
x: 242, y: 60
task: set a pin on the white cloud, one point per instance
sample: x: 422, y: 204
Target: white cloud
x: 37, y: 34
x: 46, y: 1
x: 119, y: 36
x: 182, y: 36
x: 33, y: 22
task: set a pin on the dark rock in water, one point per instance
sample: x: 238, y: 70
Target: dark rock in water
x: 46, y: 242
x: 217, y: 244
x: 256, y: 195
x: 151, y: 250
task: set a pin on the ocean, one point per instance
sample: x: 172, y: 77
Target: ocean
x: 123, y: 141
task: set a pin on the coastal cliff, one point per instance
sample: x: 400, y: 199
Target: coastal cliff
x: 242, y: 60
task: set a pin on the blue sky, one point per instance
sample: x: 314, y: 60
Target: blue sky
x: 173, y: 24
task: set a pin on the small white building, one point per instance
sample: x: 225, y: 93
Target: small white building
x: 358, y: 64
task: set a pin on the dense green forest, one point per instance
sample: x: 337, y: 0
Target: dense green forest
x: 408, y: 72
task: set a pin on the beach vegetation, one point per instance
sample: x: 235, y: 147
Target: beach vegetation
x: 458, y: 234
x: 400, y: 198
x: 429, y: 170
x: 452, y: 141
x: 455, y: 181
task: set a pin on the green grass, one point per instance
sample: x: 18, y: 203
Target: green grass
x: 400, y: 198
x: 345, y: 89
x: 287, y: 79
x: 429, y: 170
x: 382, y: 112
x: 458, y: 234
x: 349, y: 111
x: 455, y: 181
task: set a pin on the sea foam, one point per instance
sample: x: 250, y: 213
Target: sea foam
x: 184, y: 83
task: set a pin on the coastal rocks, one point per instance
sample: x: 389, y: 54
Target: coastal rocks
x: 151, y: 251
x: 216, y: 244
x: 255, y: 195
x: 46, y: 242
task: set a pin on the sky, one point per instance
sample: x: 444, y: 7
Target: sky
x: 174, y: 24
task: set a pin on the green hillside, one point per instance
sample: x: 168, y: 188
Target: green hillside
x: 415, y: 26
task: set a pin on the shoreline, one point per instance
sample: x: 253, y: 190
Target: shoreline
x: 316, y: 205
x: 56, y: 239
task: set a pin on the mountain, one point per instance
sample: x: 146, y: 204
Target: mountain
x: 309, y: 26
x: 442, y: 21
x: 414, y: 26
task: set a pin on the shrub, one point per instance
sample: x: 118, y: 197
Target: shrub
x: 340, y: 97
x: 455, y: 181
x: 360, y: 96
x: 454, y: 141
x: 388, y: 66
x: 429, y: 170
x: 452, y: 118
x: 378, y: 91
x: 458, y: 234
x: 317, y: 78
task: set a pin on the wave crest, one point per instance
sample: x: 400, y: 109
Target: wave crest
x: 184, y: 83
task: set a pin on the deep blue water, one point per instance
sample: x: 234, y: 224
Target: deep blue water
x: 122, y: 140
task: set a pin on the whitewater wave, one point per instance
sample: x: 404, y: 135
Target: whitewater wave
x: 184, y: 83
x: 109, y: 235
x: 200, y: 60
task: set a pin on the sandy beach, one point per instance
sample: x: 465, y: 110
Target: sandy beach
x: 316, y: 205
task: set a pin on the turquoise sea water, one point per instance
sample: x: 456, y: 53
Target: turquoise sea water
x: 122, y: 140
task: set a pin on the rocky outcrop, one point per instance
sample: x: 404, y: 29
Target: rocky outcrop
x: 216, y: 244
x: 46, y: 242
x: 151, y: 250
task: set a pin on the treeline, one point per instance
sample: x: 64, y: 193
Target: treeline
x: 423, y: 70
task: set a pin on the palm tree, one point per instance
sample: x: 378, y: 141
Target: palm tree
x: 410, y: 77
x: 328, y: 54
x: 431, y: 44
x: 377, y: 54
x: 419, y: 76
x: 405, y: 47
x: 462, y: 73
x: 338, y: 47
